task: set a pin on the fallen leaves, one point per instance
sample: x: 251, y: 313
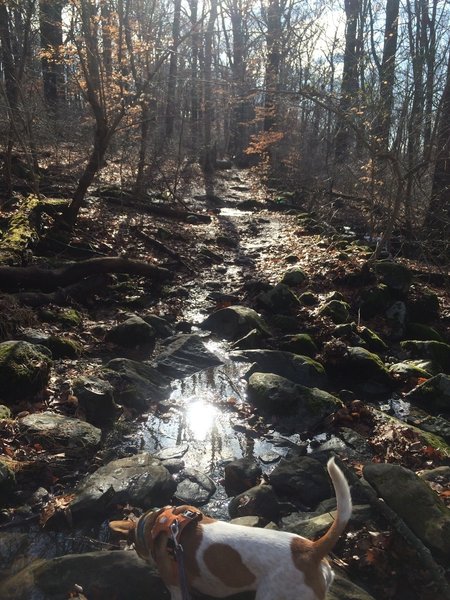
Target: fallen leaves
x: 57, y: 505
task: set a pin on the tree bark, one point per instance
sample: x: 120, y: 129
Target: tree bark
x: 173, y: 71
x: 50, y: 18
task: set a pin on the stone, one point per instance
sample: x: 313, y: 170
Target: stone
x: 303, y: 479
x: 436, y: 425
x: 396, y: 316
x: 5, y: 412
x: 194, y: 488
x: 371, y: 340
x: 140, y: 480
x: 161, y: 326
x: 240, y: 475
x: 53, y: 431
x: 300, y: 343
x: 96, y: 400
x: 308, y: 299
x: 59, y: 346
x: 294, y: 277
x: 131, y: 333
x: 427, y: 516
x: 136, y: 384
x: 374, y: 301
x: 405, y: 371
x: 423, y: 305
x: 102, y: 575
x: 419, y: 331
x: 7, y: 480
x: 280, y: 396
x: 343, y: 589
x: 337, y: 310
x: 439, y: 475
x: 438, y: 352
x: 172, y: 452
x: 253, y: 340
x: 234, y: 322
x: 24, y: 370
x: 185, y: 355
x: 395, y: 275
x: 280, y: 299
x: 260, y: 501
x: 299, y: 369
x: 316, y: 526
x: 433, y: 394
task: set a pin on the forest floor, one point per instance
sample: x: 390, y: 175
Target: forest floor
x: 252, y: 238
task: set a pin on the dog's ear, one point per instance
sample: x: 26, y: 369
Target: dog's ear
x: 122, y: 527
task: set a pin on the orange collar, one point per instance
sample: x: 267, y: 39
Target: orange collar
x: 168, y: 516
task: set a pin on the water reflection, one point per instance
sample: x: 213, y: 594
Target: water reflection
x: 200, y: 418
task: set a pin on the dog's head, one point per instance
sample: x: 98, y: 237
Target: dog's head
x: 127, y: 530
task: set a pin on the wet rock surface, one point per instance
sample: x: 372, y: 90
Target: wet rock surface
x: 176, y: 411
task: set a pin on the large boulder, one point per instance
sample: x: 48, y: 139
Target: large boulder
x: 259, y: 500
x: 194, y: 488
x: 96, y: 400
x: 102, y: 575
x: 279, y: 299
x: 415, y: 502
x: 133, y: 332
x: 240, y: 475
x: 280, y: 396
x: 433, y: 394
x: 299, y: 369
x: 423, y: 305
x: 294, y: 277
x: 136, y: 384
x: 303, y: 479
x: 359, y: 366
x: 396, y: 276
x: 375, y: 301
x: 24, y: 370
x: 140, y: 480
x: 53, y: 431
x: 437, y: 352
x: 299, y: 343
x: 337, y: 310
x: 185, y: 355
x: 235, y: 322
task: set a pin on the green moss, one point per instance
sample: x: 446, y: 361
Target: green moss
x: 69, y: 317
x: 24, y: 369
x: 62, y: 347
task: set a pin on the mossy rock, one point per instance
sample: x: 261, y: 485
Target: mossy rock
x: 131, y: 333
x: 308, y: 299
x: 419, y: 331
x: 280, y: 396
x: 438, y: 352
x: 433, y: 394
x: 407, y: 370
x: 337, y: 310
x: 24, y: 370
x: 280, y: 299
x: 423, y: 305
x: 235, y: 322
x: 5, y: 412
x: 68, y: 316
x: 63, y: 347
x: 371, y: 340
x: 300, y: 343
x: 294, y: 277
x: 375, y: 301
x: 395, y: 275
x: 7, y: 480
x: 286, y: 323
x: 414, y: 502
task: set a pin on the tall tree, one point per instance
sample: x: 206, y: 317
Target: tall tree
x: 273, y: 61
x: 208, y: 100
x: 173, y: 70
x: 350, y: 81
x: 50, y: 19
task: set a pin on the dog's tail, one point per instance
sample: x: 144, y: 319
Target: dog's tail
x: 325, y: 544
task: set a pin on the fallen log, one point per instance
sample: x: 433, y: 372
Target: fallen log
x: 49, y: 280
x: 23, y: 229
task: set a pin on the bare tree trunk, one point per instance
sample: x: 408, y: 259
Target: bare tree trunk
x: 387, y: 74
x: 208, y: 146
x: 350, y: 83
x: 173, y: 70
x: 273, y: 41
x: 438, y: 215
x: 50, y: 17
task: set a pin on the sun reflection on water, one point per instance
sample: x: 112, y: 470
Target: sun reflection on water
x: 200, y: 419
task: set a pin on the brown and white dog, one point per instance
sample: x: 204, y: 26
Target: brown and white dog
x: 221, y: 559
